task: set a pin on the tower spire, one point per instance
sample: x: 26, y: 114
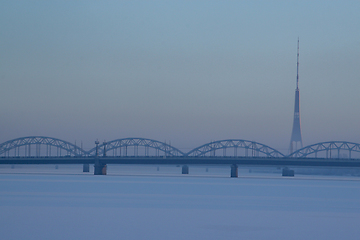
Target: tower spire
x: 296, y: 131
x: 297, y: 67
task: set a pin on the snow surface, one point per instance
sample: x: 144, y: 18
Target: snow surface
x: 41, y: 202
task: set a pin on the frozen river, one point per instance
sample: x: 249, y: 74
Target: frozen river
x: 41, y: 202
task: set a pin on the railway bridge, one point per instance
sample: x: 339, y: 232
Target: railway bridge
x: 231, y: 152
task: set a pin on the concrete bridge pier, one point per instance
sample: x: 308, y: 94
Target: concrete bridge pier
x: 99, y: 168
x: 185, y: 169
x: 286, y: 172
x: 234, y: 171
x: 86, y: 167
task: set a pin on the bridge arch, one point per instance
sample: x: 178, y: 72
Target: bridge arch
x: 32, y: 146
x: 240, y: 147
x: 331, y: 149
x: 136, y: 147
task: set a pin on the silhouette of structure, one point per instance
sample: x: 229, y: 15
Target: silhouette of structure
x: 296, y: 131
x: 231, y: 152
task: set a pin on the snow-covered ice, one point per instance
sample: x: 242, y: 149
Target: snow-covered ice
x: 67, y: 204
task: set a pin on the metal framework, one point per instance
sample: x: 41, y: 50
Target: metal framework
x: 123, y: 145
x: 328, y: 147
x: 12, y: 147
x: 251, y: 149
x: 296, y: 131
x: 46, y: 146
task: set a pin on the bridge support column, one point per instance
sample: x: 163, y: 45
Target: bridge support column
x: 86, y: 168
x: 234, y: 171
x: 286, y: 172
x: 185, y: 169
x: 99, y: 168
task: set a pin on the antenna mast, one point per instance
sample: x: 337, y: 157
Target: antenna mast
x: 297, y: 69
x: 296, y: 132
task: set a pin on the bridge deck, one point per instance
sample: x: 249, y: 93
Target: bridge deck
x: 253, y: 161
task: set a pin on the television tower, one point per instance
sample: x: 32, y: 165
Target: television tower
x: 296, y: 131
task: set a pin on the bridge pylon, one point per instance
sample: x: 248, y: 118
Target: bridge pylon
x: 234, y: 171
x: 86, y: 167
x: 185, y: 169
x: 99, y: 167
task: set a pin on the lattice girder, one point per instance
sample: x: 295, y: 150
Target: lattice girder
x: 327, y: 147
x: 70, y: 148
x: 165, y: 148
x: 255, y: 148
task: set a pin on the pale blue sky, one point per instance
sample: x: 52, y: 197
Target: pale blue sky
x: 188, y: 72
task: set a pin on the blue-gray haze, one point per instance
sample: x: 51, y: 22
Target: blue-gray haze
x: 189, y: 72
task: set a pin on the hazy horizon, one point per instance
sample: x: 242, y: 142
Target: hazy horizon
x: 189, y: 72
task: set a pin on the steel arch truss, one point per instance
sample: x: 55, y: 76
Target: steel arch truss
x: 327, y: 147
x: 12, y: 147
x: 250, y: 149
x: 124, y: 145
